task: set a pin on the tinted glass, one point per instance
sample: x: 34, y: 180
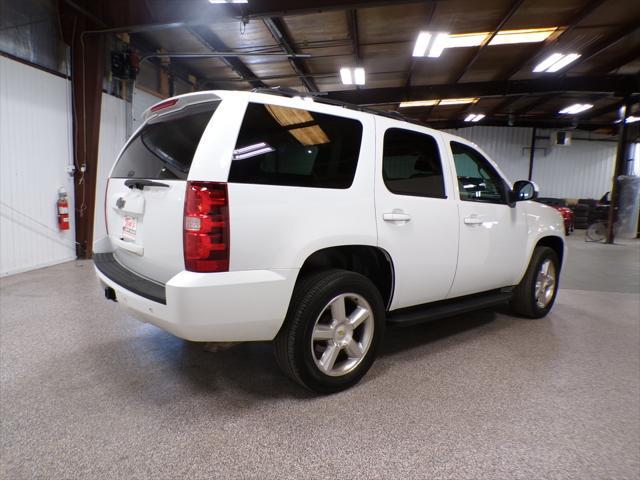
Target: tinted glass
x: 411, y: 164
x: 477, y: 179
x: 294, y: 147
x: 164, y: 148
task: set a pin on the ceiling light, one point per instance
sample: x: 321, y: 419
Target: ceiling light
x: 438, y: 45
x: 556, y: 61
x: 528, y: 35
x: 352, y: 76
x: 632, y: 119
x: 432, y: 103
x: 421, y: 44
x: 572, y: 57
x: 466, y: 39
x: 576, y: 108
x: 474, y: 117
x: 430, y: 44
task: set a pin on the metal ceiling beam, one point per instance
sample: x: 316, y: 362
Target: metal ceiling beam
x: 618, y: 84
x: 259, y: 9
x: 505, y: 18
x: 607, y: 43
x: 353, y: 34
x: 620, y: 62
x: 537, y: 102
x: 572, y: 24
x: 279, y: 34
x: 210, y: 40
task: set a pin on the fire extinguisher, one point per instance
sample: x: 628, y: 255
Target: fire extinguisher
x: 63, y: 209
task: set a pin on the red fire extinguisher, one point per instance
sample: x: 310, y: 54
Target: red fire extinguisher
x: 63, y: 209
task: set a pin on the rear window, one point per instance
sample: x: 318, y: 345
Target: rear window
x: 164, y: 148
x: 294, y: 147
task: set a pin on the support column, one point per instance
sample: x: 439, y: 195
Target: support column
x: 88, y: 61
x: 617, y: 170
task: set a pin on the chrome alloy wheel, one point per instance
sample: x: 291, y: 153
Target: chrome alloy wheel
x: 545, y: 284
x: 342, y: 334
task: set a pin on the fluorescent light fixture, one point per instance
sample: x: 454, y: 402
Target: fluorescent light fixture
x: 528, y: 35
x: 345, y: 75
x: 432, y: 44
x: 421, y: 44
x: 352, y: 76
x: 466, y: 39
x: 431, y: 103
x: 438, y: 45
x: 572, y: 57
x: 555, y: 62
x: 576, y: 108
x: 548, y: 62
x: 632, y: 119
x: 474, y: 117
x: 252, y: 151
x: 419, y: 103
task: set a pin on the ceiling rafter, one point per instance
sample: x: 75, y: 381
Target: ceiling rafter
x: 278, y: 31
x: 210, y: 40
x: 474, y: 58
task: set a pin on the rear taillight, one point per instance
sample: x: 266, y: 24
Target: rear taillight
x: 206, y: 227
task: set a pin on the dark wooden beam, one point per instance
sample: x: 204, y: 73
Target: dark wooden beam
x: 278, y: 31
x: 210, y: 40
x: 619, y: 84
x: 475, y: 55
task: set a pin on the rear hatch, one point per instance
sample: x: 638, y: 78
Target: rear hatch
x: 146, y: 190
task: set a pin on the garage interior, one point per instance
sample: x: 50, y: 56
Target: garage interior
x: 549, y: 89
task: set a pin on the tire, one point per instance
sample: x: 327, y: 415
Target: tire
x: 310, y: 313
x: 596, y: 232
x: 524, y: 301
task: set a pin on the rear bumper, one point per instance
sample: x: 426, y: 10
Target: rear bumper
x: 210, y: 307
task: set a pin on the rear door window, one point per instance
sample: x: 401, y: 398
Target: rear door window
x: 165, y: 146
x: 411, y: 164
x: 295, y: 147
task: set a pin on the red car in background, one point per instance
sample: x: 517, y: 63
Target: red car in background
x: 561, y: 206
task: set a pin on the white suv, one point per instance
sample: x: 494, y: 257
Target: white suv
x: 253, y: 216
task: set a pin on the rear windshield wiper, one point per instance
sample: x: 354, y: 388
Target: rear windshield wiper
x: 140, y: 184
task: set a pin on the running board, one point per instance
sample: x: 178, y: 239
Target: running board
x: 407, y: 317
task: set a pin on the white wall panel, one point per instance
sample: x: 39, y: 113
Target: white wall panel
x: 35, y: 149
x: 582, y: 170
x: 113, y: 135
x: 504, y: 145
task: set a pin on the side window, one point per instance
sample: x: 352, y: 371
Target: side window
x: 294, y: 147
x: 477, y: 179
x: 411, y: 164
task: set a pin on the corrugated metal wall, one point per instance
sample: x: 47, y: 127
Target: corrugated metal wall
x: 582, y: 170
x: 35, y: 149
x: 113, y: 135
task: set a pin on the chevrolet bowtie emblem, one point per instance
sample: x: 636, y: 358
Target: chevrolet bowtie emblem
x: 120, y: 203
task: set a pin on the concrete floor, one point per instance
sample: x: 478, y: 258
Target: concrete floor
x: 88, y: 392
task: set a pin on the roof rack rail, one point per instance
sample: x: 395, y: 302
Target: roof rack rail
x: 320, y: 98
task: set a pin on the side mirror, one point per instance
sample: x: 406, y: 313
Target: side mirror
x: 523, y: 190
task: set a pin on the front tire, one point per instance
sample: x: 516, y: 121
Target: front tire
x: 332, y: 331
x: 536, y: 293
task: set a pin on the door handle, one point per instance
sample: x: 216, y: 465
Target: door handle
x: 396, y: 217
x: 473, y: 220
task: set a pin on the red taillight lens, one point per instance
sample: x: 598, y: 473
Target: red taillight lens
x: 166, y: 104
x: 206, y: 227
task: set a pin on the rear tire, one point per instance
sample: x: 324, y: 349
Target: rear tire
x: 332, y: 331
x: 536, y: 293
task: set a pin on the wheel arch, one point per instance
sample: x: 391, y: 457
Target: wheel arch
x: 373, y: 262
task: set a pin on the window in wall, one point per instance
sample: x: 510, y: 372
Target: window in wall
x: 295, y: 147
x: 477, y: 179
x: 411, y: 164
